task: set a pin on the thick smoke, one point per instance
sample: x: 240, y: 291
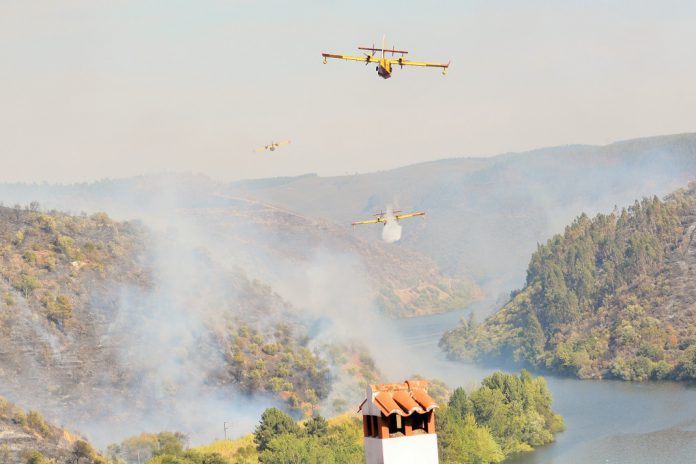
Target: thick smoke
x: 165, y: 336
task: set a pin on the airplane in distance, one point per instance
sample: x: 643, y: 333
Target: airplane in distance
x: 384, y: 64
x: 385, y: 217
x: 273, y: 146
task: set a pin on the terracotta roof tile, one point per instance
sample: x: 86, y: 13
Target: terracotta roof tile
x: 422, y: 398
x: 386, y: 404
x: 399, y: 398
x: 407, y: 403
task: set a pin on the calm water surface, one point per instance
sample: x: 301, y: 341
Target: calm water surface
x: 606, y: 421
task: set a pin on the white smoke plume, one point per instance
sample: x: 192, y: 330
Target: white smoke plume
x: 392, y: 229
x: 164, y: 338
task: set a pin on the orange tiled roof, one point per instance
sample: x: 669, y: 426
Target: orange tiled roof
x: 401, y: 398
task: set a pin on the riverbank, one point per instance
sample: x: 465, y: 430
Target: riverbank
x: 606, y: 421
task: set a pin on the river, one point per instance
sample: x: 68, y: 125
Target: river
x: 606, y: 421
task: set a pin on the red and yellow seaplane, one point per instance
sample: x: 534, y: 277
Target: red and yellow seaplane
x: 384, y: 64
x: 388, y: 216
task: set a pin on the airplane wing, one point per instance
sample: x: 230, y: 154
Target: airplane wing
x: 402, y: 62
x: 260, y: 149
x: 410, y: 215
x: 369, y: 221
x: 364, y: 59
x: 284, y: 142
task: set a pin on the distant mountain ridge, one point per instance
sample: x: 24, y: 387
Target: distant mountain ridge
x: 485, y: 215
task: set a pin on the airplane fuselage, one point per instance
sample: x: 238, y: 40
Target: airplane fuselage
x: 384, y: 69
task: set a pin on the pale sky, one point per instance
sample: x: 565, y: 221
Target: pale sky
x: 93, y: 89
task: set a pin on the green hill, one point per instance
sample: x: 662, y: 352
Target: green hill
x: 613, y: 296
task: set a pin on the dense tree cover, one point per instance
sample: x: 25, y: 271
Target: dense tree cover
x: 278, y: 362
x: 160, y: 448
x: 611, y: 297
x: 142, y: 447
x: 280, y: 440
x: 274, y: 422
x: 508, y: 414
x: 188, y: 457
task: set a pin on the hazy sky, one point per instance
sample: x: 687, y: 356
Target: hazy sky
x: 93, y: 89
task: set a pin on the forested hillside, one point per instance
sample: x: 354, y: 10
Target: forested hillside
x: 103, y: 321
x: 270, y: 243
x: 613, y: 296
x: 56, y: 272
x: 484, y: 215
x: 275, y: 242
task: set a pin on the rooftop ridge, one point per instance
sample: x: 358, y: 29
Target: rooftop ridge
x: 403, y: 399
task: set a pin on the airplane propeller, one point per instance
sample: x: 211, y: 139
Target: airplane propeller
x: 368, y: 58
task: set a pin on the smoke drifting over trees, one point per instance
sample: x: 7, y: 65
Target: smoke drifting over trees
x: 163, y: 322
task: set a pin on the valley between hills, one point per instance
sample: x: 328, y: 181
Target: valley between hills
x: 125, y: 300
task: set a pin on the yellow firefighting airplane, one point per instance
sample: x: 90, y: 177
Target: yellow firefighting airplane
x: 384, y: 217
x: 273, y: 146
x: 384, y: 64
